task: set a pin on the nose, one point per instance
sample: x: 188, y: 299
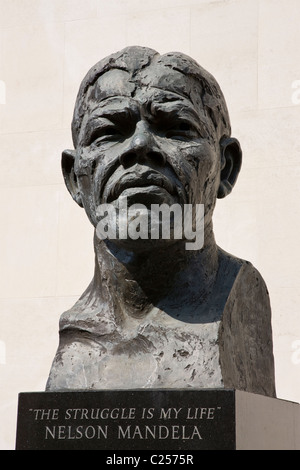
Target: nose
x: 142, y: 148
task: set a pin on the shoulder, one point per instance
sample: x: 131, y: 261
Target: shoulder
x: 245, y: 278
x: 247, y: 300
x: 238, y: 284
x: 246, y: 331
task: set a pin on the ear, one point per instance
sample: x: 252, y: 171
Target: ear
x: 231, y: 162
x: 67, y: 165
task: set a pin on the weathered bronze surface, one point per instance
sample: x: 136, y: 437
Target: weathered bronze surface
x: 155, y: 129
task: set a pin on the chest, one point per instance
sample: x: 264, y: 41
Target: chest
x: 157, y: 355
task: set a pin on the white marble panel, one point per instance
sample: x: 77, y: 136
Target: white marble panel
x: 33, y: 73
x: 278, y: 52
x: 28, y: 241
x: 17, y: 12
x: 32, y: 158
x: 75, y: 267
x: 164, y: 30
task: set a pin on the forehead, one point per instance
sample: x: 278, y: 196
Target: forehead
x: 156, y: 83
x: 166, y: 78
x: 113, y: 83
x: 116, y: 90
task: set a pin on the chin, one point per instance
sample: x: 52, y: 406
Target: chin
x: 143, y: 245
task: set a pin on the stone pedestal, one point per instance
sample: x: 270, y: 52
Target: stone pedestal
x: 176, y: 420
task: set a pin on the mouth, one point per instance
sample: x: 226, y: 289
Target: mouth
x: 147, y: 182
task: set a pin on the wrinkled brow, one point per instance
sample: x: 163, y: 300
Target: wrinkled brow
x: 115, y: 109
x: 170, y: 106
x: 174, y: 108
x: 181, y: 109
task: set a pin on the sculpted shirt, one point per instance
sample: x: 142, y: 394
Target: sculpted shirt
x: 229, y: 345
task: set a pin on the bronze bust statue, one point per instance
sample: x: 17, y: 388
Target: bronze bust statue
x: 155, y: 129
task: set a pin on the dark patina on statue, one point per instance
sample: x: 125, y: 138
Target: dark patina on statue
x: 156, y: 129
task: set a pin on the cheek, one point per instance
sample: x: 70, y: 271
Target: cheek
x: 91, y: 164
x: 86, y: 163
x: 200, y: 164
x: 85, y: 171
x: 88, y: 200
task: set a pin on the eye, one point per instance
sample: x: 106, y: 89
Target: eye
x: 181, y: 130
x: 184, y: 126
x: 104, y: 134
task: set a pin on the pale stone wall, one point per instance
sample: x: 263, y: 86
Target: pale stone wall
x: 46, y: 47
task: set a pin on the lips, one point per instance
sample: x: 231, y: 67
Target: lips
x: 138, y: 180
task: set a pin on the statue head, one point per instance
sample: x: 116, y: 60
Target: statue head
x: 154, y: 128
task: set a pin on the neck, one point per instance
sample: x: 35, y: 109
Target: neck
x: 134, y: 283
